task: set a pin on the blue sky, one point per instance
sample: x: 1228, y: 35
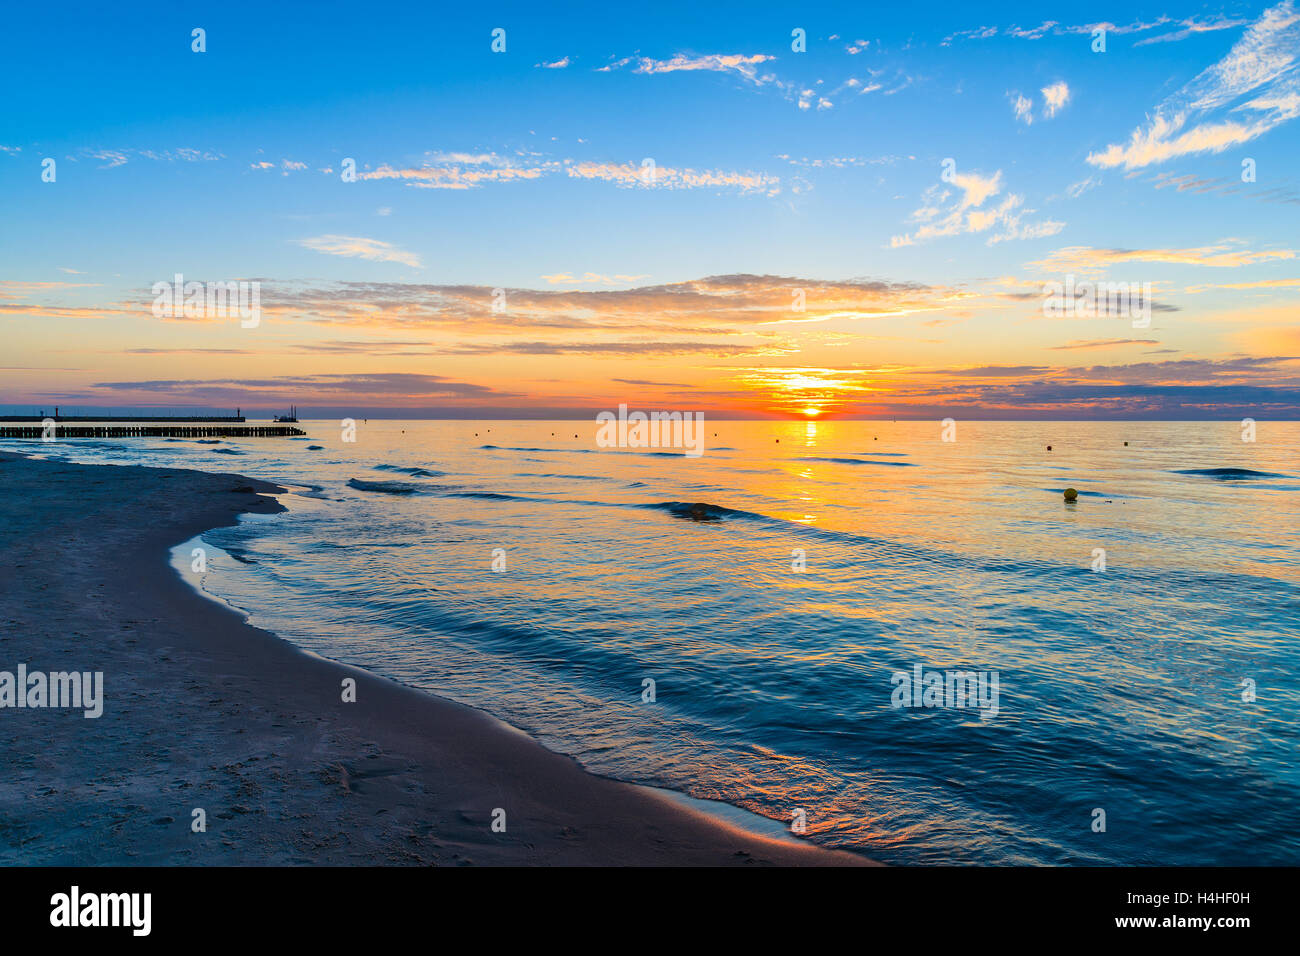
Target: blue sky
x: 522, y: 170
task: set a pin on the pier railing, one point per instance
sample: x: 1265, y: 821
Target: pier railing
x: 60, y: 431
x: 130, y: 419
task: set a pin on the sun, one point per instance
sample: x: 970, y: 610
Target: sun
x: 811, y: 411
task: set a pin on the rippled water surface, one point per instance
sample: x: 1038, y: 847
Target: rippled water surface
x: 1119, y: 689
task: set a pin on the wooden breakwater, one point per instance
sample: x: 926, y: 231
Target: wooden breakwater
x: 59, y: 431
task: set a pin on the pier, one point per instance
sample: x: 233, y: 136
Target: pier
x: 170, y: 419
x: 61, y: 431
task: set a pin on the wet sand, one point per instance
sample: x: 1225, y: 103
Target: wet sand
x: 202, y: 710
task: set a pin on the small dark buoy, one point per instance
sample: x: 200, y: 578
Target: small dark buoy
x: 1071, y: 494
x: 1049, y: 447
x: 1126, y: 444
x: 778, y: 441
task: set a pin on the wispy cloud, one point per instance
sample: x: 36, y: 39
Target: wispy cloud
x: 470, y: 171
x: 974, y: 33
x: 841, y: 162
x: 590, y: 278
x: 816, y: 95
x: 1223, y: 255
x: 112, y: 158
x: 454, y: 176
x: 359, y: 387
x: 739, y: 64
x: 1258, y: 75
x: 1260, y: 284
x: 1075, y: 190
x: 711, y: 306
x: 1191, y: 27
x: 1055, y: 97
x: 961, y: 210
x: 1187, y: 182
x: 1023, y: 107
x: 11, y: 288
x: 1101, y: 344
x: 644, y: 348
x: 1032, y: 33
x: 1186, y: 28
x: 359, y: 247
x: 667, y: 177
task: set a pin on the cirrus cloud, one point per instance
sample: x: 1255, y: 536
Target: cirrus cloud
x: 1259, y: 75
x: 1221, y: 255
x: 740, y: 64
x: 360, y: 247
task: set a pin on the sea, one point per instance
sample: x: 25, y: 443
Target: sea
x: 759, y: 624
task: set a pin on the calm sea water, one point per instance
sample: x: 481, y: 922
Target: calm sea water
x: 1120, y: 690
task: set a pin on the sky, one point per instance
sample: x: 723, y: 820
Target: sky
x: 817, y: 211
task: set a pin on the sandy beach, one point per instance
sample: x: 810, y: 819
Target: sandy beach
x: 201, y: 710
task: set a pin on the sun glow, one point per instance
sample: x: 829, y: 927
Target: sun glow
x: 808, y: 393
